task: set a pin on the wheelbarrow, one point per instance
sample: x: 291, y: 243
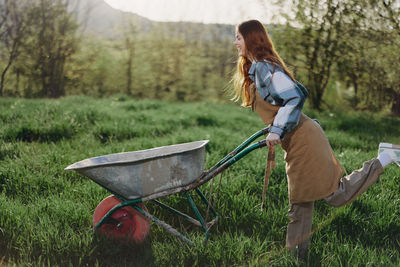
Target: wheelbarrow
x: 147, y: 175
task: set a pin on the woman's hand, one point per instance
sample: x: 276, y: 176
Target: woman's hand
x: 273, y: 139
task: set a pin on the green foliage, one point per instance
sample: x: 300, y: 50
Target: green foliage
x: 347, y: 48
x: 342, y: 51
x: 162, y: 62
x: 46, y: 212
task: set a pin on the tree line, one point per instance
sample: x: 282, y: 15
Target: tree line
x: 344, y: 51
x: 349, y: 44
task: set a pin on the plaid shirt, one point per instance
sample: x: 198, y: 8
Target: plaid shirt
x: 278, y: 89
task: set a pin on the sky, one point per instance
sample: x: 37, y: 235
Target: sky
x: 206, y: 11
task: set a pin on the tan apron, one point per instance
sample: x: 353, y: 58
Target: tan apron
x: 312, y: 170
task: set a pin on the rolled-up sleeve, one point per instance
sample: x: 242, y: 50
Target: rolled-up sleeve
x: 278, y: 89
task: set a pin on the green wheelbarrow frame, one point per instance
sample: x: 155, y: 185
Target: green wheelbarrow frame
x: 234, y: 156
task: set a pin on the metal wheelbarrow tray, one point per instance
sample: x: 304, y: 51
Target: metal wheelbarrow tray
x: 142, y: 173
x: 139, y: 176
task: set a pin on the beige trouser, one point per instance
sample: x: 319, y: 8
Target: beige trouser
x: 350, y: 186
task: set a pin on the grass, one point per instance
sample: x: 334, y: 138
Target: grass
x: 46, y: 212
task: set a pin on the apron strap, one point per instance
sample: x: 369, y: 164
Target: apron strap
x: 270, y: 165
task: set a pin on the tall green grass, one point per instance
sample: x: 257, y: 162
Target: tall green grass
x: 46, y: 212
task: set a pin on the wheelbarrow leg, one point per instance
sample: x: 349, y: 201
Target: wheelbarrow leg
x: 208, y: 204
x: 185, y: 216
x: 164, y: 225
x: 196, y: 211
x: 204, y: 199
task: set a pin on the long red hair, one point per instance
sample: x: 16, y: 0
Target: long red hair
x: 258, y: 47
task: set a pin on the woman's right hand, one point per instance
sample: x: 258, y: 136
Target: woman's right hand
x: 273, y: 139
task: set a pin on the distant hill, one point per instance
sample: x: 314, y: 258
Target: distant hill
x: 101, y: 19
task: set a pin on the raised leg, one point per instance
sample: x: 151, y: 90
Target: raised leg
x: 355, y: 184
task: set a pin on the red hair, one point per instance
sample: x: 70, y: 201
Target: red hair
x: 258, y: 47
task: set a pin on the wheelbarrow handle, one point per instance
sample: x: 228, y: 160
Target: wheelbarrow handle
x: 241, y: 147
x: 218, y: 169
x: 266, y: 130
x: 249, y: 140
x: 262, y: 143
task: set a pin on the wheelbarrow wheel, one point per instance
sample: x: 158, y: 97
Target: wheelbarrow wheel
x: 125, y: 224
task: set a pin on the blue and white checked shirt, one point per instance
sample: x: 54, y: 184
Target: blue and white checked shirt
x: 278, y: 89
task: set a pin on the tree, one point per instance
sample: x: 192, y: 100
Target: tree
x: 129, y: 44
x: 13, y: 25
x: 323, y: 25
x: 390, y: 13
x: 370, y: 50
x: 166, y: 55
x: 53, y: 42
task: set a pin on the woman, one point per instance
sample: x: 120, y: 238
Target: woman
x: 263, y: 82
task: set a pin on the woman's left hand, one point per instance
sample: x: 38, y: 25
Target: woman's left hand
x: 273, y: 139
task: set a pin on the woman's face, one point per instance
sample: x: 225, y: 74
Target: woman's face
x: 239, y: 42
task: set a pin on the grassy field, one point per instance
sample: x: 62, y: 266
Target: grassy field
x: 46, y: 212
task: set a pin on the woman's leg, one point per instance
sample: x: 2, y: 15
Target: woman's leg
x: 356, y: 183
x: 299, y: 227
